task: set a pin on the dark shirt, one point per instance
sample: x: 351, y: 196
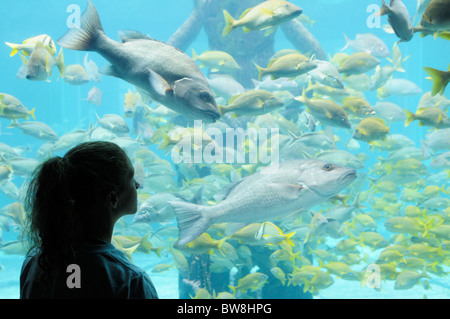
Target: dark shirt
x: 104, y: 272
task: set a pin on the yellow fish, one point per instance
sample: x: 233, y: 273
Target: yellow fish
x: 265, y: 16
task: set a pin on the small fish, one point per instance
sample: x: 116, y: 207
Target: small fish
x: 274, y: 85
x: 161, y: 268
x: 399, y: 19
x: 406, y: 225
x: 372, y: 239
x: 429, y: 116
x: 273, y: 235
x: 225, y: 85
x: 216, y: 61
x: 398, y: 87
x: 39, y: 65
x: 436, y: 141
x: 95, y: 96
x: 326, y: 74
x: 441, y: 161
x: 440, y: 80
x: 252, y: 281
x: 12, y: 108
x: 265, y: 16
x: 279, y: 274
x: 370, y: 129
x: 389, y: 111
x: 91, y: 69
x: 114, y: 123
x: 326, y: 111
x: 253, y: 102
x: 28, y: 45
x: 357, y: 63
x: 290, y: 66
x: 306, y: 122
x: 407, y: 279
x: 339, y: 269
x: 357, y: 106
x: 318, y: 282
x: 36, y: 129
x: 439, y: 101
x: 75, y: 74
x: 369, y: 43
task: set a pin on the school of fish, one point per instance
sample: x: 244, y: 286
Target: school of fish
x: 324, y: 211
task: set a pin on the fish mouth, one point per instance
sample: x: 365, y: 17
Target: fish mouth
x: 351, y: 175
x: 210, y: 116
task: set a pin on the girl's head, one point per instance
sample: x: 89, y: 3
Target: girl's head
x: 74, y: 198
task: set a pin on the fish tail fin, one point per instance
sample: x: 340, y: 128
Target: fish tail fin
x: 60, y: 63
x: 166, y: 141
x: 437, y: 77
x: 384, y: 9
x: 261, y: 71
x: 347, y: 42
x: 15, y: 50
x: 229, y: 23
x: 288, y: 238
x: 32, y: 113
x: 83, y: 38
x: 192, y: 222
x: 194, y: 54
x: 409, y: 117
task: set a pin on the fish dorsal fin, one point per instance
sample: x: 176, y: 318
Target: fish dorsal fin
x: 226, y: 190
x: 233, y: 98
x: 245, y: 12
x: 131, y: 35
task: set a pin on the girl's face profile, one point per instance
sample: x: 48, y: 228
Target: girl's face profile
x: 128, y: 196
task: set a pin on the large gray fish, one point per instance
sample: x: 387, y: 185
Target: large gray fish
x: 166, y: 74
x: 399, y: 19
x: 275, y: 191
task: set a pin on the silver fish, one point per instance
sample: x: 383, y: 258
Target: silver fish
x: 165, y: 73
x: 275, y: 191
x: 399, y: 19
x: 369, y: 43
x: 113, y: 122
x: 326, y: 74
x: 36, y: 129
x: 389, y: 111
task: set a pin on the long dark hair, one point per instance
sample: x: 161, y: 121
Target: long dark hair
x: 66, y: 198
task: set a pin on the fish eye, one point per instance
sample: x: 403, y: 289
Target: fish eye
x: 204, y: 96
x: 328, y: 167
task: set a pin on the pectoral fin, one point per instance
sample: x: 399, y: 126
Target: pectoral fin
x: 159, y: 84
x: 288, y: 191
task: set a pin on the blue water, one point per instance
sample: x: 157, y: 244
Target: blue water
x: 63, y: 106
